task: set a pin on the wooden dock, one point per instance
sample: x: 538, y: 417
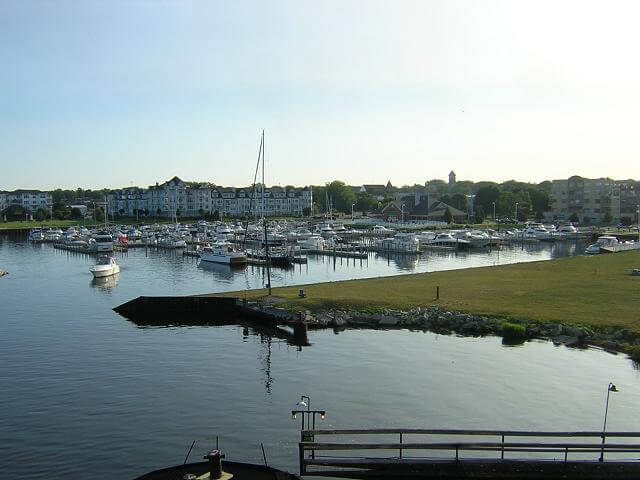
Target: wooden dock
x: 480, y: 454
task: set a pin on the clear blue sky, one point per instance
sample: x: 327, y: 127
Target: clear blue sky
x: 109, y: 93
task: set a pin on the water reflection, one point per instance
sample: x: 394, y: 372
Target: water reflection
x: 106, y: 283
x: 220, y: 270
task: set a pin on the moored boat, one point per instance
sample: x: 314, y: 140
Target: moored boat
x: 105, y: 267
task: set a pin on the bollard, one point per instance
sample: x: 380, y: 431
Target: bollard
x: 215, y: 463
x: 438, y: 292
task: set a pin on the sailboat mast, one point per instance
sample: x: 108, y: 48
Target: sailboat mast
x: 264, y: 225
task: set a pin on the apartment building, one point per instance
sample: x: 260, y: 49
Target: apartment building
x: 596, y: 200
x: 30, y: 200
x: 175, y: 197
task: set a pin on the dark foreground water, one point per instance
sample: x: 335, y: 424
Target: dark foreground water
x: 85, y: 392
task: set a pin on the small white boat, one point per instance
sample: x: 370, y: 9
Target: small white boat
x: 36, y: 235
x: 105, y: 267
x: 223, y: 253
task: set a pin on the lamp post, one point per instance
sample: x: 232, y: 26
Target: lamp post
x: 402, y: 213
x: 638, y: 220
x: 494, y: 212
x: 517, y: 212
x: 470, y: 207
x: 352, y: 205
x: 610, y: 388
x: 304, y: 408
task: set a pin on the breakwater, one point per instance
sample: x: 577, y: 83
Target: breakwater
x: 166, y: 310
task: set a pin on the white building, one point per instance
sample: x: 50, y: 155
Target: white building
x: 30, y: 200
x: 175, y: 197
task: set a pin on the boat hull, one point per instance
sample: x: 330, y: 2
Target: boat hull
x: 105, y: 272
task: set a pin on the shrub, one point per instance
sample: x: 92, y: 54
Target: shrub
x: 513, y: 331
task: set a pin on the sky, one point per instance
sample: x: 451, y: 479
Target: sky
x: 115, y: 93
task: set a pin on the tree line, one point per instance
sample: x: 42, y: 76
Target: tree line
x: 532, y: 199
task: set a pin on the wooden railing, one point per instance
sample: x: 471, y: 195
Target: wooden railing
x: 341, y: 454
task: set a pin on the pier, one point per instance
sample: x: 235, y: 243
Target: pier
x: 481, y: 454
x: 218, y: 310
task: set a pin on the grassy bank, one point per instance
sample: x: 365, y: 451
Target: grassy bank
x: 597, y: 291
x: 45, y: 223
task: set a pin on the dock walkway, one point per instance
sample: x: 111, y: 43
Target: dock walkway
x: 482, y: 454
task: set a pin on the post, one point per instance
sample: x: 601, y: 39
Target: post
x: 215, y: 463
x: 502, y: 449
x: 610, y: 388
x: 437, y: 292
x: 401, y: 444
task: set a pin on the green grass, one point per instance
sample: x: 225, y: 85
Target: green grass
x: 45, y: 223
x: 597, y: 291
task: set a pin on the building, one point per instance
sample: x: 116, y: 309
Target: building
x: 177, y: 198
x: 418, y: 206
x: 452, y: 178
x: 599, y: 200
x: 379, y: 192
x: 30, y: 200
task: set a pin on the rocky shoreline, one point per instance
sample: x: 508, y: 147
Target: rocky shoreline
x: 439, y: 320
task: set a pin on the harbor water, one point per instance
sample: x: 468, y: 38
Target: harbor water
x: 86, y: 392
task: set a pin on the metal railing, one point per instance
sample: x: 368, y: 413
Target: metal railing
x: 342, y: 453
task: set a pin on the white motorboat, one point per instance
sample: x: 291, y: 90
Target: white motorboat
x: 103, y: 242
x: 610, y: 244
x: 400, y: 242
x: 36, y: 235
x: 446, y: 240
x: 538, y: 231
x: 223, y: 253
x: 312, y: 242
x: 105, y: 267
x: 381, y: 231
x: 475, y: 238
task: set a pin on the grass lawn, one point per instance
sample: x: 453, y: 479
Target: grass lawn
x: 595, y: 291
x: 45, y: 223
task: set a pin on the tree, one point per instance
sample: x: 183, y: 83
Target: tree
x: 98, y: 213
x: 76, y: 214
x: 573, y: 218
x: 607, y: 219
x: 478, y: 214
x: 365, y: 203
x: 306, y: 211
x: 485, y: 196
x: 15, y: 212
x: 341, y: 196
x: 41, y: 214
x: 448, y: 216
x: 539, y: 216
x: 61, y: 211
x: 216, y: 215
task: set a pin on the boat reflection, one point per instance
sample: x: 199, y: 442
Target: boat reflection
x: 105, y: 283
x: 221, y: 270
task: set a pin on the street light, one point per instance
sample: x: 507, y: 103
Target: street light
x: 470, y: 207
x: 517, y: 212
x: 402, y: 213
x: 304, y: 408
x: 352, y: 205
x: 494, y: 212
x: 610, y: 388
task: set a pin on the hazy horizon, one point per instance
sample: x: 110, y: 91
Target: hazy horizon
x: 109, y: 94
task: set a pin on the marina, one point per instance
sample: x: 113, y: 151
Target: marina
x: 172, y: 365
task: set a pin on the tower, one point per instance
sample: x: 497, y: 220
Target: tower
x: 452, y: 178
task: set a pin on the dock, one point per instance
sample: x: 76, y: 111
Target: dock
x: 206, y: 310
x: 338, y: 253
x: 480, y: 454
